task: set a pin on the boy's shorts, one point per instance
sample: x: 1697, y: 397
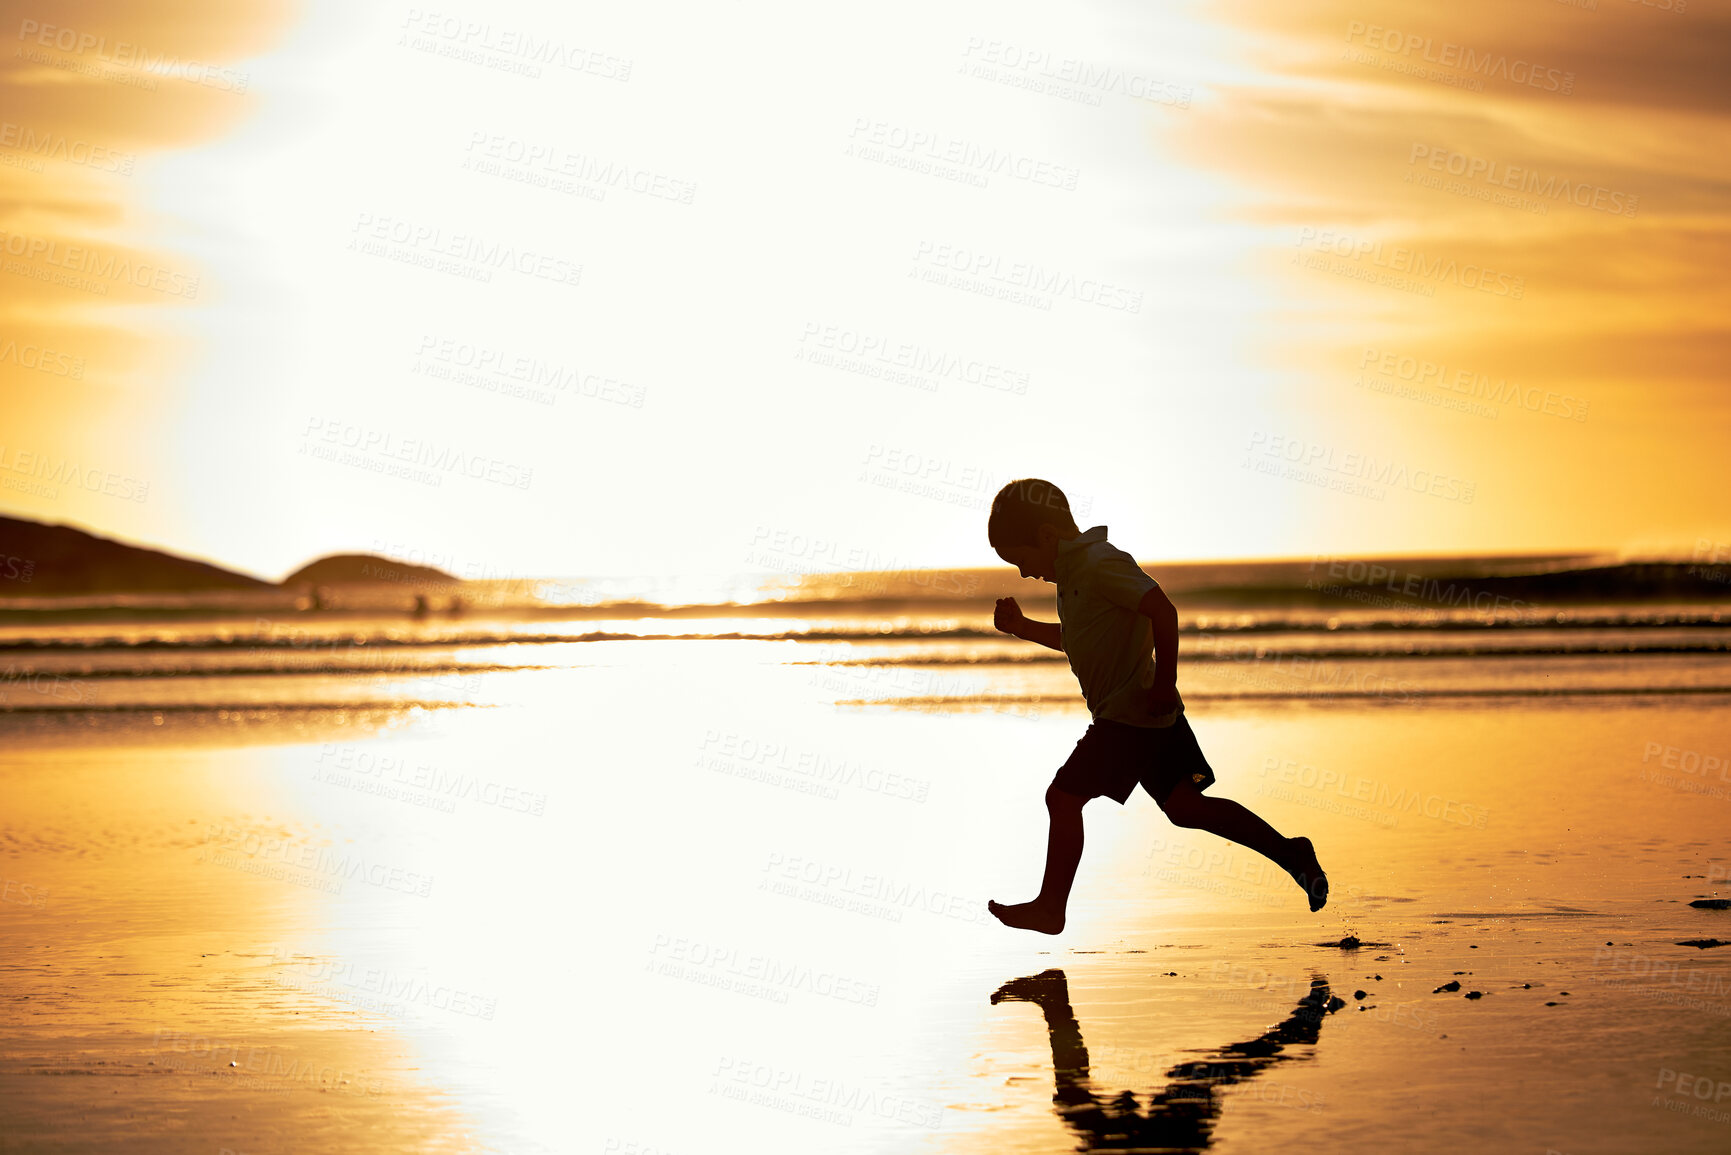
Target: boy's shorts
x: 1113, y: 756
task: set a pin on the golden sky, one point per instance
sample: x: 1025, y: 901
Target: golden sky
x: 520, y: 289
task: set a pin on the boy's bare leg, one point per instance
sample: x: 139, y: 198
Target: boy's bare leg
x: 1187, y: 806
x: 1063, y: 854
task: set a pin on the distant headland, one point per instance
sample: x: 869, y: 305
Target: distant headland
x: 40, y: 560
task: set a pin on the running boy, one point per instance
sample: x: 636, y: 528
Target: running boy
x: 1120, y: 633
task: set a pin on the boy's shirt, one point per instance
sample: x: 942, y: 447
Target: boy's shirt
x: 1109, y: 644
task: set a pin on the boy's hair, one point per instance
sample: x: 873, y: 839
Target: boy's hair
x: 1022, y: 507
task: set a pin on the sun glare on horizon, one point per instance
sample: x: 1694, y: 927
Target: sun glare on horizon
x: 1246, y: 282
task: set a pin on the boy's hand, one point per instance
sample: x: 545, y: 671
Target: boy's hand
x: 1008, y: 617
x: 1162, y: 700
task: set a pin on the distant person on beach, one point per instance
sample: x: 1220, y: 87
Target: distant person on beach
x: 1120, y: 632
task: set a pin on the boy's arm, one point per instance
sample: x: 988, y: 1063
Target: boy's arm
x: 1158, y: 609
x: 1011, y: 620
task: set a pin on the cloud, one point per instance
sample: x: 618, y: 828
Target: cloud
x: 88, y: 93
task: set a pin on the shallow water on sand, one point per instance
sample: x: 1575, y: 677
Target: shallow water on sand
x: 679, y: 899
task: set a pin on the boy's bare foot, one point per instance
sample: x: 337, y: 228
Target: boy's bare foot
x: 1028, y: 916
x: 1306, y: 871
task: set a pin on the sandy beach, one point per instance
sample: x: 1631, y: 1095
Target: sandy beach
x: 544, y: 922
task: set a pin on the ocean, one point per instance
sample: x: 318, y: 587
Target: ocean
x: 702, y: 865
x: 1395, y: 630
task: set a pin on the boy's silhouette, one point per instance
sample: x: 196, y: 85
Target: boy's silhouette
x: 1120, y: 632
x: 1180, y: 1116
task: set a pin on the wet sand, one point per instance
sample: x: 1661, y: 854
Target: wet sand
x: 757, y: 923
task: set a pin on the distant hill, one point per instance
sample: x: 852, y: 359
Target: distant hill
x: 362, y: 568
x: 38, y: 560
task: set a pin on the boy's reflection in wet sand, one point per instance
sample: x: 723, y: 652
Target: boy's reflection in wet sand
x: 1180, y: 1116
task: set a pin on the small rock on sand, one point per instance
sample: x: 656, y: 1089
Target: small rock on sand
x: 1475, y: 994
x: 1712, y: 903
x: 1452, y: 985
x: 1704, y: 943
x: 1358, y: 994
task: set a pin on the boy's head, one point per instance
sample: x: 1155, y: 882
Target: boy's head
x: 1029, y: 518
